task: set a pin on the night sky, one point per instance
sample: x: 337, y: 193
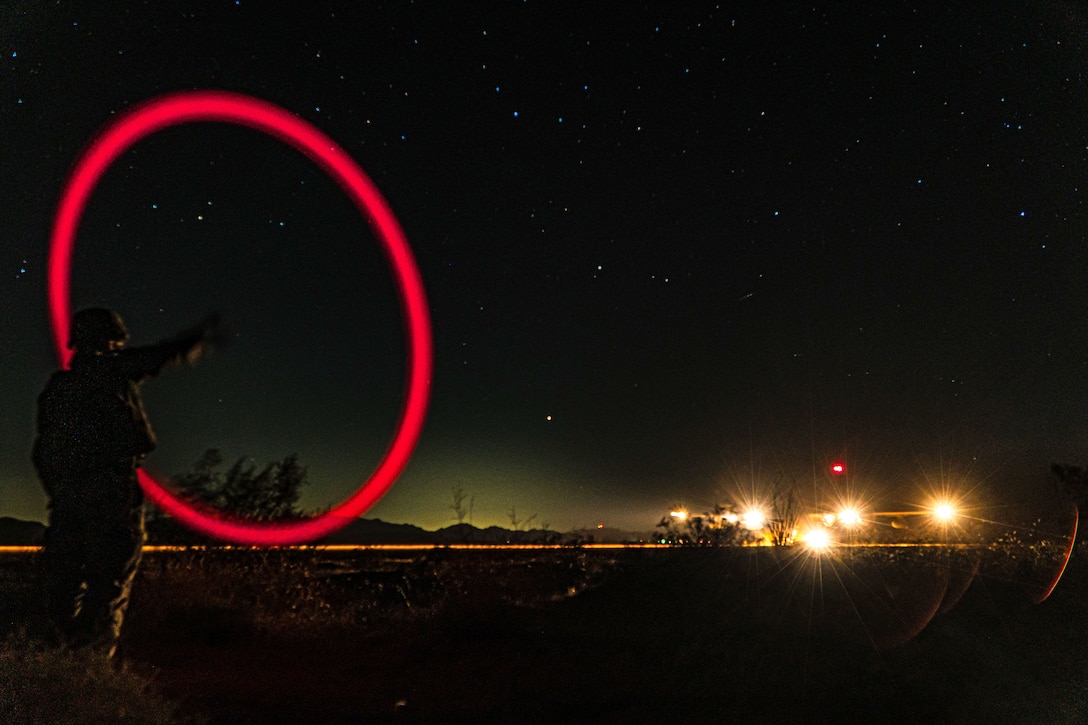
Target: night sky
x: 670, y: 254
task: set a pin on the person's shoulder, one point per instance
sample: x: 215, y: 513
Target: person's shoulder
x: 97, y: 369
x: 59, y: 377
x: 60, y: 383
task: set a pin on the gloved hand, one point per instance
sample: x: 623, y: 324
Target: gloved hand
x: 214, y: 332
x: 210, y: 333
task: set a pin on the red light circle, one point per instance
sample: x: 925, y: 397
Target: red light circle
x: 220, y: 106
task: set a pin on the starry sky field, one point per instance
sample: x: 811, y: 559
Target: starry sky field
x: 671, y: 251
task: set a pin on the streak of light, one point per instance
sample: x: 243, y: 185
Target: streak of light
x: 378, y: 547
x: 497, y: 547
x: 1069, y: 553
x: 919, y: 512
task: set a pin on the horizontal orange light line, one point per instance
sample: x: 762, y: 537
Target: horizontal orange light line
x: 382, y: 547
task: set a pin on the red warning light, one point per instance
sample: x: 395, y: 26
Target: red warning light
x: 838, y: 469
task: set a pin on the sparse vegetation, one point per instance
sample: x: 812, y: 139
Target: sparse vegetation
x: 519, y: 524
x: 785, y: 512
x: 242, y: 491
x: 717, y: 527
x: 222, y: 598
x: 460, y: 509
x: 54, y: 685
x: 574, y: 631
x: 206, y: 620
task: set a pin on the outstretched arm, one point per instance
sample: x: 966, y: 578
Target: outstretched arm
x: 140, y: 363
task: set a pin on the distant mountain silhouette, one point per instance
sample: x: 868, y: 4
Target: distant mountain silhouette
x: 376, y: 531
x: 14, y: 532
x: 468, y: 534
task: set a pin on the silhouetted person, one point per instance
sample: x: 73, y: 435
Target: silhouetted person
x: 92, y: 435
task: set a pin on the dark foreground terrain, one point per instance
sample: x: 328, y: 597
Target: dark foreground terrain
x: 570, y: 635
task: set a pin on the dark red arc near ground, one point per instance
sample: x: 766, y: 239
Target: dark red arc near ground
x: 218, y: 106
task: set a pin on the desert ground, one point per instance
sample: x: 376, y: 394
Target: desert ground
x: 877, y: 634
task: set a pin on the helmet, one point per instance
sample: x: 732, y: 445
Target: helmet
x: 93, y: 329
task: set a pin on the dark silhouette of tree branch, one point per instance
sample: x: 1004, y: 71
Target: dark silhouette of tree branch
x: 458, y: 507
x: 242, y: 492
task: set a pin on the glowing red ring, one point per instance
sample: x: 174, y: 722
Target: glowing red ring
x: 185, y: 107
